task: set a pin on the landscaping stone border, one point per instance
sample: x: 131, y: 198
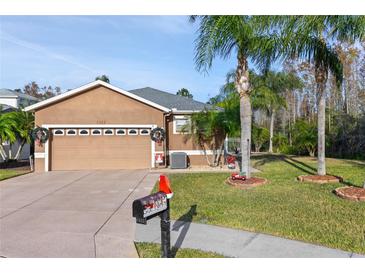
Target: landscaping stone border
x: 351, y: 193
x: 249, y: 183
x: 320, y: 179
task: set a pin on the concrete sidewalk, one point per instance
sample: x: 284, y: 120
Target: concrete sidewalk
x: 235, y: 243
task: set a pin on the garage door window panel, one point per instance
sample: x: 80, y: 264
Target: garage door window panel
x: 144, y: 132
x: 120, y: 132
x: 132, y: 132
x: 108, y: 131
x: 71, y: 132
x: 96, y: 132
x: 84, y: 132
x: 58, y: 132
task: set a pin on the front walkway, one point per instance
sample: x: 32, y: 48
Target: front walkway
x: 235, y: 243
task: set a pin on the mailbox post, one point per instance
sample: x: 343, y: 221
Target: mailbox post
x: 153, y: 205
x: 165, y: 232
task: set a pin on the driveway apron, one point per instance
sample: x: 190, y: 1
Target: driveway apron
x: 71, y: 214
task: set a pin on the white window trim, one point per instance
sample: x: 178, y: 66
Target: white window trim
x: 48, y: 126
x: 54, y: 132
x: 88, y: 132
x: 178, y: 117
x: 71, y: 134
x: 116, y: 131
x: 108, y: 133
x: 140, y: 132
x: 39, y: 155
x: 132, y: 134
x: 96, y: 134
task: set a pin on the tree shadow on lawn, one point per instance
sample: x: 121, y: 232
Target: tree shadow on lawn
x: 308, y: 169
x: 299, y: 165
x: 184, y: 223
x: 263, y: 159
x: 267, y: 158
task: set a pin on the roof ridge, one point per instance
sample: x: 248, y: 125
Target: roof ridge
x: 169, y: 93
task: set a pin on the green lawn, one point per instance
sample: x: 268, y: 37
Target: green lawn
x: 8, y: 173
x: 284, y: 207
x: 148, y: 250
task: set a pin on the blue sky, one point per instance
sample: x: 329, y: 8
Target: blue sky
x: 134, y: 51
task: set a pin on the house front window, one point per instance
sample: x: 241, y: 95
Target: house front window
x: 181, y: 124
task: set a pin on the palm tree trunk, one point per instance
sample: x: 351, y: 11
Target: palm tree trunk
x: 10, y: 152
x: 321, y: 78
x: 2, y: 152
x: 17, y: 155
x: 272, y: 118
x: 242, y: 86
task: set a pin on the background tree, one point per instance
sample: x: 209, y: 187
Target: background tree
x: 260, y: 136
x: 309, y: 37
x: 268, y: 94
x: 248, y: 38
x: 103, y: 77
x: 7, y: 133
x: 185, y: 93
x: 24, y: 123
x: 33, y: 89
x: 43, y: 93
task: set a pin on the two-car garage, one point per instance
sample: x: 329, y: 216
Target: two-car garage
x: 86, y: 148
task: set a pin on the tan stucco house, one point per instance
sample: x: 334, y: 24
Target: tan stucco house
x: 100, y: 126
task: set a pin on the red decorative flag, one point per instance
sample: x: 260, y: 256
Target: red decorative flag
x: 165, y: 187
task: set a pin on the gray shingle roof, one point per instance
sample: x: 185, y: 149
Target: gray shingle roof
x: 169, y: 100
x: 6, y: 108
x: 4, y: 92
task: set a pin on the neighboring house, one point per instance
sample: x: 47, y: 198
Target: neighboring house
x: 6, y: 108
x: 16, y: 99
x: 10, y: 101
x: 100, y: 126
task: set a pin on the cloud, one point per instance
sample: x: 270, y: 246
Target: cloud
x: 36, y: 47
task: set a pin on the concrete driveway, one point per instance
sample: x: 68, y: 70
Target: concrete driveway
x: 71, y: 214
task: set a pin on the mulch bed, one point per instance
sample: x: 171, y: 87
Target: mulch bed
x: 351, y: 193
x: 15, y: 164
x: 320, y: 179
x: 249, y: 183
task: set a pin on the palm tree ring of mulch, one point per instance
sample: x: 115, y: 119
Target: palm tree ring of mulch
x: 320, y: 179
x: 248, y: 183
x: 351, y: 193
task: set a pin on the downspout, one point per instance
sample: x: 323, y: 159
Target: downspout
x: 165, y: 149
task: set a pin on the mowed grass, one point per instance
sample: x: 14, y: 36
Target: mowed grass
x: 149, y: 250
x: 284, y: 207
x: 8, y: 173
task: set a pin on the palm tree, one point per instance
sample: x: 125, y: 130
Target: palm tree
x: 312, y: 38
x: 249, y: 38
x: 267, y: 90
x: 7, y: 133
x: 24, y: 123
x: 267, y: 94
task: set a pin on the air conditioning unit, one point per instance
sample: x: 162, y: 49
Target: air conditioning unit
x: 178, y: 160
